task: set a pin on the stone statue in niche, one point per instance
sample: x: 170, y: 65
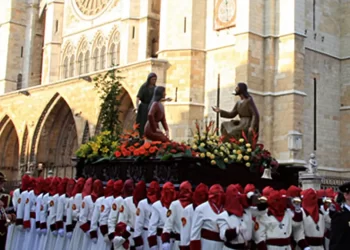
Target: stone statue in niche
x: 247, y: 112
x: 312, y: 166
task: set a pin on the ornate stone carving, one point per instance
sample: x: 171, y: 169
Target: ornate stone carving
x: 312, y: 166
x: 91, y: 7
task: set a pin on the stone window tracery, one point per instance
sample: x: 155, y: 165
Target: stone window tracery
x: 99, y: 54
x: 83, y: 58
x: 114, y: 50
x: 67, y: 68
x: 71, y: 66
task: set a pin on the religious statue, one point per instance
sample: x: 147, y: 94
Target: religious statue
x: 155, y: 115
x: 248, y: 114
x: 312, y: 167
x: 144, y: 95
x: 143, y: 99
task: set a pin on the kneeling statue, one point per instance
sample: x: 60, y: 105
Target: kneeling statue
x: 248, y: 114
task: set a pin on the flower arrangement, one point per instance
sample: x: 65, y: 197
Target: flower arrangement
x: 98, y: 147
x: 211, y: 147
x: 132, y: 146
x: 174, y: 149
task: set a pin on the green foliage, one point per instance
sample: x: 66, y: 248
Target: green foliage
x: 109, y: 87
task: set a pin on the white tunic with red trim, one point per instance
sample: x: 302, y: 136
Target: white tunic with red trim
x: 173, y: 224
x: 11, y: 227
x: 205, y: 230
x: 37, y: 220
x: 29, y: 220
x: 94, y: 231
x: 61, y: 218
x: 314, y: 232
x: 127, y: 215
x: 186, y: 223
x: 51, y: 221
x: 43, y: 220
x: 19, y: 234
x: 103, y: 223
x: 159, y: 215
x: 276, y: 235
x: 87, y: 208
x: 143, y: 215
x: 79, y: 215
x: 234, y: 223
x: 114, y: 216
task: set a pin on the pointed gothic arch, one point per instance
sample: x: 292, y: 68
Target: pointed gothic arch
x: 24, y: 151
x: 113, y: 54
x: 57, y: 141
x: 67, y: 65
x: 9, y: 147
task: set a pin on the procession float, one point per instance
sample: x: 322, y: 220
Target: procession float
x: 208, y: 157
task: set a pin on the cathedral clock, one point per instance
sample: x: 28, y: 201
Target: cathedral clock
x: 91, y: 7
x: 224, y: 14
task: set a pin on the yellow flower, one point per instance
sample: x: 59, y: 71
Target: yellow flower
x: 202, y: 144
x: 208, y: 154
x: 241, y: 140
x: 212, y: 138
x: 234, y: 151
x: 213, y: 162
x: 221, y: 154
x: 232, y: 157
x: 209, y: 142
x: 104, y: 149
x: 246, y: 158
x: 249, y: 150
x: 196, y: 137
x: 194, y: 147
x: 238, y: 152
x: 226, y: 160
x: 106, y: 132
x: 248, y: 145
x: 202, y: 137
x: 239, y: 157
x: 216, y: 151
x: 212, y: 157
x: 202, y: 155
x: 247, y: 164
x: 222, y: 148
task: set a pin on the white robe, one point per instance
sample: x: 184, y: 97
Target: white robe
x: 205, y: 218
x: 61, y: 242
x: 77, y: 238
x: 37, y: 220
x: 186, y: 221
x: 11, y: 227
x: 114, y: 216
x: 51, y: 222
x: 226, y: 221
x: 19, y: 233
x: 173, y: 222
x: 43, y: 220
x: 156, y: 222
x: 94, y: 223
x: 29, y: 211
x: 127, y: 214
x: 85, y: 217
x: 143, y: 215
x: 103, y: 224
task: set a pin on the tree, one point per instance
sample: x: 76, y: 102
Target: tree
x: 109, y: 87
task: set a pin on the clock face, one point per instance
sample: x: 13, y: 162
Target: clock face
x: 225, y: 14
x: 227, y: 10
x: 91, y: 7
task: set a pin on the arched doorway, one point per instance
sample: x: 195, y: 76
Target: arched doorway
x: 9, y: 149
x: 58, y: 140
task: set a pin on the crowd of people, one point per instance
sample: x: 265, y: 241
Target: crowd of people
x: 60, y: 213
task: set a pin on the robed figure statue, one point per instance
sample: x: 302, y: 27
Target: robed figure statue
x: 144, y: 97
x: 155, y: 115
x: 248, y: 114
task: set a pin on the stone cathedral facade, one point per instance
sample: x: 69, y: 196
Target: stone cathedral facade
x: 293, y: 54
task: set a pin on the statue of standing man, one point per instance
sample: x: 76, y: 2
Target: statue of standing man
x: 248, y: 114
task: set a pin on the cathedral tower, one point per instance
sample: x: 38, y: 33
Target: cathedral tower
x: 182, y: 43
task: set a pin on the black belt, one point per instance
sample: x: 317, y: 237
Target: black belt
x: 235, y: 246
